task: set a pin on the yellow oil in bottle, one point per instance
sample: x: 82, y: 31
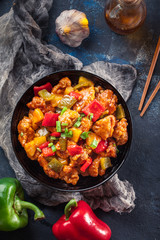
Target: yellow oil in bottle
x: 125, y: 16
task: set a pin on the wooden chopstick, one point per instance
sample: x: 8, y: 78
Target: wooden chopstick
x: 150, y: 99
x: 154, y: 60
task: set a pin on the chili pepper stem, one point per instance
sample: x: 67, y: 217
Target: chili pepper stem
x: 19, y: 205
x: 68, y: 207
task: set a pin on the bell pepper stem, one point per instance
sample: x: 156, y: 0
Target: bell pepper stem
x: 19, y: 205
x: 68, y: 207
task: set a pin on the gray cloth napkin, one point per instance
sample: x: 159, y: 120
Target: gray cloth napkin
x: 23, y: 60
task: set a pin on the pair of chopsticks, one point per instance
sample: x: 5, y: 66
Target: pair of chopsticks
x: 154, y: 60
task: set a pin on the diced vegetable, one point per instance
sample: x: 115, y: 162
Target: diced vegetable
x: 94, y: 144
x: 86, y: 164
x: 53, y: 148
x: 39, y: 140
x: 68, y: 90
x: 84, y: 135
x: 37, y: 115
x: 105, y: 163
x: 50, y: 144
x: 76, y: 95
x: 67, y: 133
x: 64, y: 124
x: 47, y: 152
x: 58, y: 126
x: 46, y: 86
x: 63, y: 144
x: 43, y: 131
x: 94, y: 107
x: 120, y: 113
x: 55, y: 134
x: 91, y: 137
x: 76, y: 134
x: 47, y: 96
x: 67, y: 101
x: 52, y: 138
x: 39, y: 150
x: 55, y: 165
x: 78, y: 123
x: 44, y: 145
x: 30, y: 148
x: 83, y: 82
x: 63, y: 110
x: 90, y: 116
x: 50, y: 119
x: 102, y: 146
x: 74, y: 149
x: 56, y: 99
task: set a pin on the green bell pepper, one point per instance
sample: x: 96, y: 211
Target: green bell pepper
x: 13, y: 213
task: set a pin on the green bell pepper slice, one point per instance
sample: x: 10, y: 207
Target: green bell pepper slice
x: 13, y: 210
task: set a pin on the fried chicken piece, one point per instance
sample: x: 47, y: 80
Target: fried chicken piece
x: 94, y: 167
x: 69, y: 117
x: 86, y: 124
x: 25, y: 130
x: 120, y: 132
x: 109, y: 100
x: 69, y: 175
x: 61, y: 86
x: 112, y: 148
x: 105, y: 127
x: 38, y: 102
x: 88, y: 95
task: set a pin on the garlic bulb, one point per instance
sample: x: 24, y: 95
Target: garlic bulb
x: 72, y: 27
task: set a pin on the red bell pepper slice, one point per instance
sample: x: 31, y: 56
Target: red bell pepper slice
x: 102, y: 146
x: 44, y: 145
x: 94, y: 107
x: 86, y: 165
x: 74, y: 149
x: 50, y: 119
x: 80, y: 223
x: 76, y: 95
x: 55, y: 134
x: 46, y: 86
x: 47, y: 152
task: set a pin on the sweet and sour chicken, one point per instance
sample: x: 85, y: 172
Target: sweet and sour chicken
x: 73, y: 130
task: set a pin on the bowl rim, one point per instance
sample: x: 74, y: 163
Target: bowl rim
x: 117, y: 168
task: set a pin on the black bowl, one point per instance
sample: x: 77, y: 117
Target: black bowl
x: 33, y: 168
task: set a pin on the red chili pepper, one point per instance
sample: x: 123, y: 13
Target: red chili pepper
x: 86, y: 164
x: 50, y: 119
x: 46, y: 86
x: 80, y: 223
x: 76, y: 95
x: 55, y: 134
x: 74, y: 149
x: 94, y: 107
x: 44, y: 145
x: 102, y: 146
x: 47, y: 152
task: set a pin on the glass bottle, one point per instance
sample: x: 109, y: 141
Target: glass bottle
x: 125, y: 16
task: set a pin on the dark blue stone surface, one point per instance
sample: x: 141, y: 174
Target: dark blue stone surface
x: 142, y: 167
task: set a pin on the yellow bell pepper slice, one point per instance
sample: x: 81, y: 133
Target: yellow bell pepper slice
x: 68, y: 90
x: 91, y: 137
x: 37, y: 116
x: 39, y: 140
x: 83, y: 82
x: 30, y: 148
x: 76, y: 134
